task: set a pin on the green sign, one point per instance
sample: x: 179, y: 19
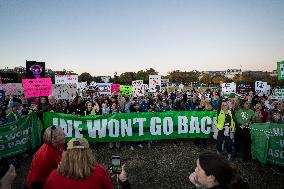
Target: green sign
x: 20, y: 136
x: 278, y: 94
x: 135, y: 126
x: 280, y: 70
x: 125, y: 90
x: 268, y: 143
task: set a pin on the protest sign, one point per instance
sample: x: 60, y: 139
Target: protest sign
x: 66, y: 79
x: 278, y: 94
x: 8, y: 77
x: 115, y: 88
x: 81, y: 86
x: 135, y: 126
x: 65, y: 91
x: 20, y: 136
x: 11, y: 89
x: 280, y: 70
x: 154, y: 83
x: 268, y: 143
x: 37, y: 87
x: 35, y: 69
x: 137, y: 88
x: 126, y: 90
x: 228, y: 88
x: 245, y: 88
x: 103, y: 88
x: 181, y: 86
x: 260, y: 87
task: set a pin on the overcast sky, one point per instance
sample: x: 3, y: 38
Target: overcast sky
x: 103, y: 36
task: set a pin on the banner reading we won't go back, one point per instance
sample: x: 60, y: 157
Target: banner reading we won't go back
x: 135, y: 126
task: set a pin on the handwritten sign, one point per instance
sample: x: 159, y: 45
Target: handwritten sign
x: 37, y: 87
x: 126, y: 90
x: 228, y: 88
x: 137, y: 88
x: 65, y: 91
x: 11, y: 89
x: 103, y: 88
x: 66, y: 79
x: 154, y: 83
x: 115, y: 88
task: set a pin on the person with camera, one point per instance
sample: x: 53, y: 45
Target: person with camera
x: 78, y: 169
x: 226, y: 129
x: 46, y: 158
x: 215, y: 172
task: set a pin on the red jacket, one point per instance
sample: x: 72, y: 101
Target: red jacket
x: 98, y: 180
x: 44, y: 161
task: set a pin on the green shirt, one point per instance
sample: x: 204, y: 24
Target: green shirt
x: 244, y: 117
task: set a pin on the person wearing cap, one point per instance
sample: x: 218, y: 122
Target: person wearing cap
x: 12, y: 114
x: 78, y: 169
x: 46, y: 158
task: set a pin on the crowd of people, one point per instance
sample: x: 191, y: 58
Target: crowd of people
x: 77, y: 166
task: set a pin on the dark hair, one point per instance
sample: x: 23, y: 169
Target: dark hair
x: 223, y: 171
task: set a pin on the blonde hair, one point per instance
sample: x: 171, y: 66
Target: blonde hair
x: 50, y: 134
x: 77, y: 163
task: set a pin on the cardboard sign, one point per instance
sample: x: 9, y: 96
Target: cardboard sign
x: 11, y: 89
x: 278, y: 94
x: 103, y: 88
x: 65, y: 91
x: 115, y: 88
x: 126, y: 90
x: 35, y: 69
x: 154, y: 83
x: 228, y: 88
x: 181, y: 86
x: 66, y: 79
x: 260, y: 88
x: 137, y: 88
x: 245, y: 88
x: 37, y: 87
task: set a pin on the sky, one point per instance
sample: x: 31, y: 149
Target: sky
x: 102, y: 37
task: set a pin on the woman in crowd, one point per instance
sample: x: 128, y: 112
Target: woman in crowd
x: 46, y: 158
x: 78, y: 169
x: 12, y: 112
x: 215, y: 172
x: 244, y: 117
x: 90, y: 111
x: 77, y: 106
x: 226, y: 129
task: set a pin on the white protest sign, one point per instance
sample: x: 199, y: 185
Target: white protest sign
x: 278, y: 94
x: 181, y: 86
x: 260, y: 87
x: 104, y: 88
x: 82, y: 86
x: 65, y: 91
x: 66, y: 79
x: 137, y: 88
x: 154, y: 83
x: 228, y: 88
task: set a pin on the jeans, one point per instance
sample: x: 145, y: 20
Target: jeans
x: 228, y: 142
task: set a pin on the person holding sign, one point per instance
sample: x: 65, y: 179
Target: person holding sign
x: 226, y: 129
x: 78, y: 169
x: 46, y: 158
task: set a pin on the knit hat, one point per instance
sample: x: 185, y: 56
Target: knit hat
x: 81, y: 143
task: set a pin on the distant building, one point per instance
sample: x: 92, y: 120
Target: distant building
x: 20, y: 69
x: 231, y: 73
x: 216, y: 73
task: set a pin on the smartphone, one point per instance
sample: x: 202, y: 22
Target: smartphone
x: 116, y: 164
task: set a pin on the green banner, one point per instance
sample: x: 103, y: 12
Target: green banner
x: 135, y: 126
x: 268, y: 143
x: 19, y: 136
x: 280, y: 70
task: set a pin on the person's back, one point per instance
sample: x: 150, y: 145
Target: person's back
x: 98, y: 179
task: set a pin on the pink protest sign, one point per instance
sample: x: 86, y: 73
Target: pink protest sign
x: 115, y: 88
x: 11, y: 89
x: 37, y: 87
